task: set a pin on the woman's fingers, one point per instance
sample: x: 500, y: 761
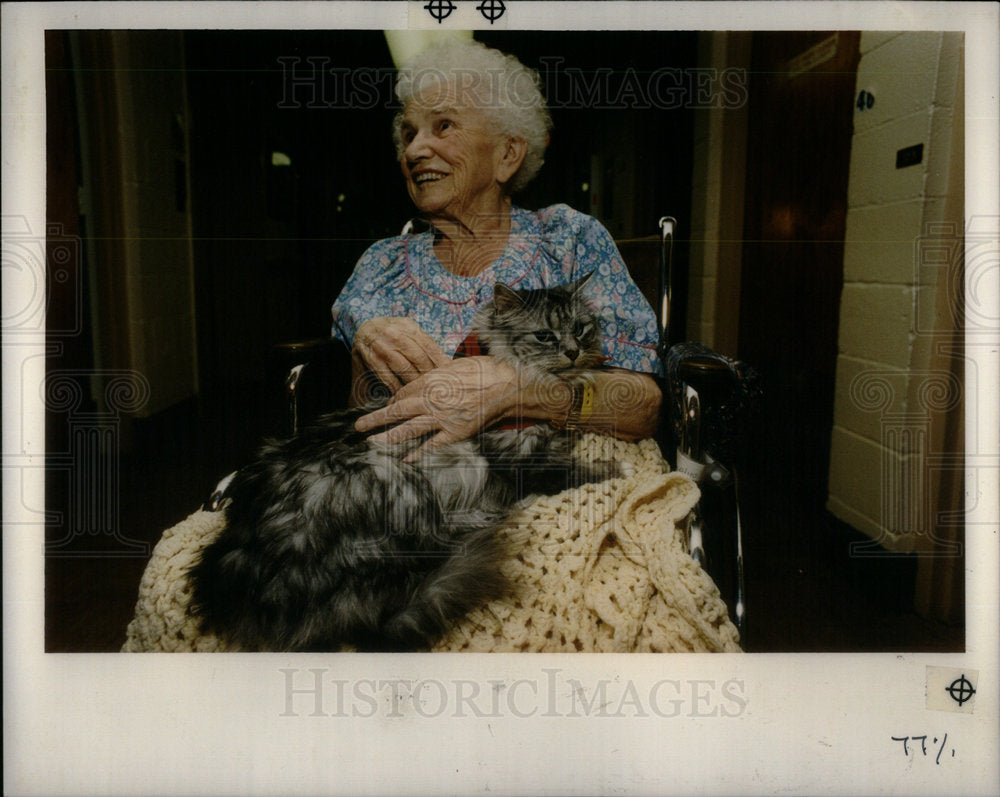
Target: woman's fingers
x: 397, y: 363
x: 414, y: 427
x: 417, y: 426
x: 432, y: 354
x: 381, y: 368
x: 454, y: 401
x: 397, y: 350
x: 389, y: 414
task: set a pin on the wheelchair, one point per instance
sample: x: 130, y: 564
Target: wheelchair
x: 708, y: 399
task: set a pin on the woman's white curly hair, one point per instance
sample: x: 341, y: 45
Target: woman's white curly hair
x: 507, y: 91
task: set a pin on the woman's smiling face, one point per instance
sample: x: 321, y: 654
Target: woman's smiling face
x: 451, y: 160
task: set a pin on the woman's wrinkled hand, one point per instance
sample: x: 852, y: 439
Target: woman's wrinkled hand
x: 396, y: 351
x: 450, y: 403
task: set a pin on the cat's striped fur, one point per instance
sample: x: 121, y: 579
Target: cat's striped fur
x: 330, y: 539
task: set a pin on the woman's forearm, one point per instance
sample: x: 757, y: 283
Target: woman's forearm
x: 468, y: 394
x: 624, y: 404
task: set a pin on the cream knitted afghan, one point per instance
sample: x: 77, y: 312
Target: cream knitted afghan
x: 600, y: 568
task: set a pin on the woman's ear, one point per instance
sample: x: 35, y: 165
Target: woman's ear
x: 510, y: 157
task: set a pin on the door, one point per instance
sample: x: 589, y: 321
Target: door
x: 800, y: 125
x: 798, y: 154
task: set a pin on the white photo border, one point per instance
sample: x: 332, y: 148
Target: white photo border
x: 249, y: 724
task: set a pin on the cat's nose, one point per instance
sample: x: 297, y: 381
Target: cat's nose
x: 572, y: 354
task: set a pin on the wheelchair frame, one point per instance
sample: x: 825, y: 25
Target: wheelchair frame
x: 717, y: 545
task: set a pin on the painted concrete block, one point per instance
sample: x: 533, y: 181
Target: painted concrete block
x: 889, y: 489
x: 874, y: 178
x: 935, y: 391
x: 875, y: 323
x: 937, y: 250
x: 870, y: 39
x: 938, y: 153
x: 902, y: 75
x: 855, y: 467
x: 948, y: 69
x: 865, y: 392
x: 880, y: 240
x: 933, y: 315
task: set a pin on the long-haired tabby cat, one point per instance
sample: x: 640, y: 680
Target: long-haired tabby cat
x: 330, y: 539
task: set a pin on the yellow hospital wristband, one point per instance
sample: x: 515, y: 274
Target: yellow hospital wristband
x: 581, y: 407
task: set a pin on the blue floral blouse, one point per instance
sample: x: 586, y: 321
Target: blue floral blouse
x: 401, y: 276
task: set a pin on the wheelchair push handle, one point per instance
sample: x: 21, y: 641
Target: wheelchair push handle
x: 668, y: 225
x: 707, y: 375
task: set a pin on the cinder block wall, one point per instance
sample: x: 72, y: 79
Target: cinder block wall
x: 893, y: 308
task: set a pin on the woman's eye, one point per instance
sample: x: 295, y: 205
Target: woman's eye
x: 444, y: 124
x: 545, y: 336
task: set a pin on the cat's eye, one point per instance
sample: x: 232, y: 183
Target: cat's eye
x: 581, y: 328
x: 545, y: 336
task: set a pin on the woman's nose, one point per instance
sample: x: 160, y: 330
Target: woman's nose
x: 417, y: 147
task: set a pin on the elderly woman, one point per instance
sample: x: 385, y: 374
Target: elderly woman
x: 473, y: 132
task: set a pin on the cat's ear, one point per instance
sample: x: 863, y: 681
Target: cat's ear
x: 576, y: 287
x: 505, y: 299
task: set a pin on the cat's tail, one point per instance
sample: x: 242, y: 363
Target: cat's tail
x: 468, y: 578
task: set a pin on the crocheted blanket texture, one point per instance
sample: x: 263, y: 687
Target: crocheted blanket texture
x: 599, y: 568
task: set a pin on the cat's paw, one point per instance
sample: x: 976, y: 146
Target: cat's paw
x: 627, y: 470
x: 215, y: 500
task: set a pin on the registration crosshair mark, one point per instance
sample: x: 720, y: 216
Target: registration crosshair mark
x: 440, y: 9
x: 961, y: 689
x: 491, y: 9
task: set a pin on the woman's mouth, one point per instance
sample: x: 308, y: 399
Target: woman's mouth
x: 428, y: 177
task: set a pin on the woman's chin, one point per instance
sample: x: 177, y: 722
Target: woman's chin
x: 428, y: 204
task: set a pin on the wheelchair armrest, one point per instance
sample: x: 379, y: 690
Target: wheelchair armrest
x: 315, y: 375
x: 301, y: 351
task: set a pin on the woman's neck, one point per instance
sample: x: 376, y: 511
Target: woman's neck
x: 469, y: 245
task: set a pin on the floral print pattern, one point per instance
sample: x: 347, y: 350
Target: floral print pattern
x: 401, y: 276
